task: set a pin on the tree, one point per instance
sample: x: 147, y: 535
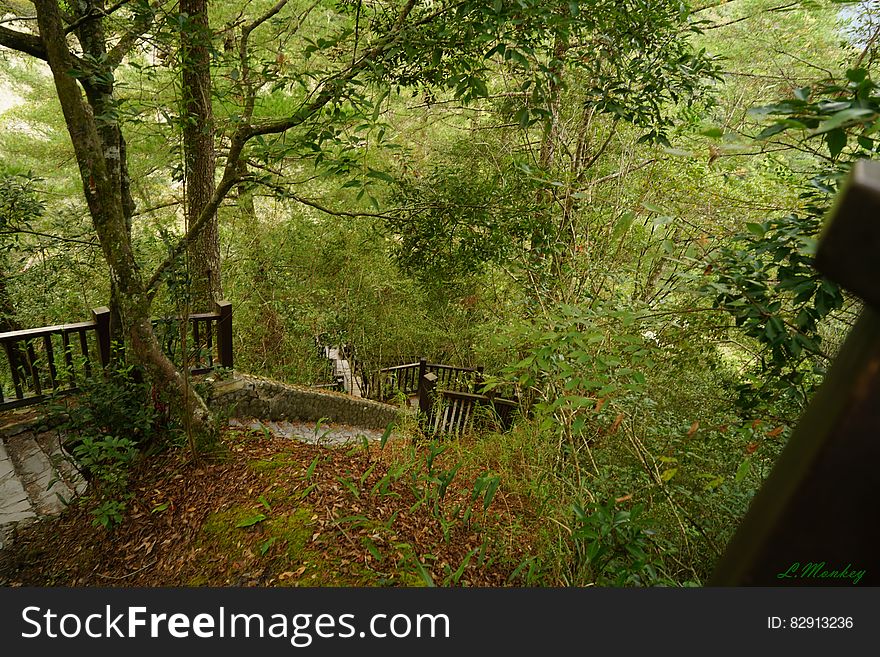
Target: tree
x: 345, y: 74
x: 198, y: 151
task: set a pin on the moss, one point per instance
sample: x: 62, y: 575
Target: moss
x: 280, y: 460
x: 282, y: 539
x: 295, y: 529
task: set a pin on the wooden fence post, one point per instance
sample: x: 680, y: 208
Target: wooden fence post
x: 101, y: 316
x: 423, y: 369
x: 427, y: 386
x: 224, y: 334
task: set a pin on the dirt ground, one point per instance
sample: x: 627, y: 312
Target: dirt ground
x: 270, y: 511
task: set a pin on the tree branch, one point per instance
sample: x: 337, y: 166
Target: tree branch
x: 92, y: 15
x: 286, y: 193
x: 29, y: 44
x: 329, y: 89
x: 249, y: 92
x: 127, y: 41
x: 330, y: 86
x: 57, y: 238
x: 227, y: 182
x: 788, y: 5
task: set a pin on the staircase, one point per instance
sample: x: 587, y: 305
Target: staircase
x: 36, y: 477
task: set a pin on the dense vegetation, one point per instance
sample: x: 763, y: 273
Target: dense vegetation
x: 611, y: 206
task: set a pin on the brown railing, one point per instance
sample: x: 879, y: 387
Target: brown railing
x: 57, y: 359
x: 385, y: 384
x: 209, y: 339
x: 455, y: 412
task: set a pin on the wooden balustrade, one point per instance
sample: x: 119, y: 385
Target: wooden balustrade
x: 384, y: 384
x: 49, y: 360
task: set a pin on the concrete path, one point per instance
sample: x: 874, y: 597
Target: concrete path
x: 310, y: 432
x: 36, y: 477
x: 342, y: 371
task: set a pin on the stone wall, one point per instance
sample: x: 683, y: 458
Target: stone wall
x: 250, y: 396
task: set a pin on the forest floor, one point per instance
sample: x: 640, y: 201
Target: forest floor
x: 271, y: 511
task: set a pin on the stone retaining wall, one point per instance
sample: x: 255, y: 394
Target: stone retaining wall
x: 250, y: 396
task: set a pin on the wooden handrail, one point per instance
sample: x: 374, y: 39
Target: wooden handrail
x: 31, y: 355
x: 397, y: 368
x: 29, y: 334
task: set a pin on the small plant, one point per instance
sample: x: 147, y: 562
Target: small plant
x: 108, y: 514
x: 106, y: 459
x: 613, y: 545
x: 107, y: 425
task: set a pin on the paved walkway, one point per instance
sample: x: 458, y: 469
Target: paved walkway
x: 36, y: 477
x: 310, y: 432
x: 342, y: 371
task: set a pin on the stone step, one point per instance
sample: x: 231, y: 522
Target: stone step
x: 48, y: 492
x: 15, y: 505
x: 50, y: 443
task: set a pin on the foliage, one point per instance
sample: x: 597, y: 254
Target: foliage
x: 564, y: 192
x: 766, y: 281
x: 577, y: 360
x: 120, y: 403
x: 19, y: 203
x: 109, y: 423
x: 452, y: 221
x: 614, y: 544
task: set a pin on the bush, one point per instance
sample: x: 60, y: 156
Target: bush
x: 112, y: 419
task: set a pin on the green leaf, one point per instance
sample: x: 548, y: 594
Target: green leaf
x: 311, y: 469
x: 856, y: 75
x: 840, y: 119
x: 622, y: 225
x: 490, y: 491
x: 253, y: 520
x: 385, y: 435
x: 743, y: 470
x: 372, y: 549
x: 769, y: 131
x: 836, y: 142
x: 756, y: 229
x: 666, y: 475
x: 424, y: 574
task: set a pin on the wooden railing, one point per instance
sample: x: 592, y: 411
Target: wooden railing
x: 455, y: 412
x: 57, y: 359
x: 209, y: 339
x: 52, y: 359
x: 387, y: 382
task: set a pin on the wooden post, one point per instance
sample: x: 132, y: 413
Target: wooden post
x: 423, y: 369
x: 224, y: 334
x: 427, y: 385
x: 817, y: 510
x: 101, y: 317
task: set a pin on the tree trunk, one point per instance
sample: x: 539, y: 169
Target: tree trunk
x: 105, y: 195
x: 198, y: 153
x: 99, y: 92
